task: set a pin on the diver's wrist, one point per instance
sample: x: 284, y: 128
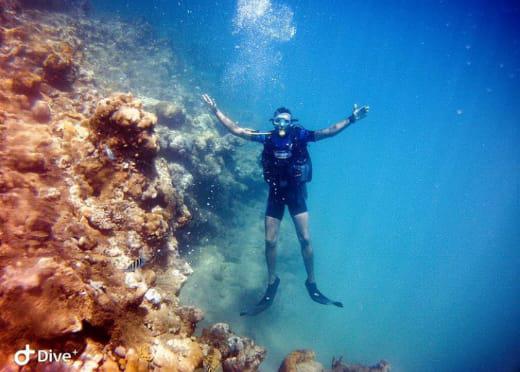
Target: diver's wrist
x: 351, y: 119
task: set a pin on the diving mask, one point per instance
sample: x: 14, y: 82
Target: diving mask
x: 282, y: 122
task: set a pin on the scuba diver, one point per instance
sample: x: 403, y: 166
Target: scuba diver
x: 287, y: 168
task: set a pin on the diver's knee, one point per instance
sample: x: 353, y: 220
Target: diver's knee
x: 305, y: 241
x: 270, y: 244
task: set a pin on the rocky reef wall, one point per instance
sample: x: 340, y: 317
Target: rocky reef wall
x: 89, y: 215
x: 213, y: 172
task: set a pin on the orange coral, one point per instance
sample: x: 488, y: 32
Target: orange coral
x: 299, y: 360
x: 26, y: 83
x: 62, y: 198
x: 58, y: 66
x: 82, y: 194
x: 125, y: 127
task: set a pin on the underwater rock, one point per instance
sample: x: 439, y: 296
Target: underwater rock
x: 305, y: 361
x: 153, y: 296
x: 72, y: 217
x: 189, y: 316
x: 120, y: 351
x: 41, y: 111
x: 181, y: 178
x: 56, y: 295
x: 237, y: 353
x: 169, y: 114
x: 127, y: 129
x: 59, y: 68
x: 200, y: 156
x: 177, y: 354
x: 339, y: 366
x: 58, y: 5
x: 301, y: 361
x: 26, y: 83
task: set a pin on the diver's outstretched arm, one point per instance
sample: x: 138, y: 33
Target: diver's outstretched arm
x: 357, y: 114
x: 230, y: 125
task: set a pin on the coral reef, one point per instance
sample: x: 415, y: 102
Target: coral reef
x: 58, y: 5
x: 211, y: 174
x: 339, y: 366
x: 238, y: 354
x: 301, y: 361
x: 305, y: 361
x: 83, y: 194
x: 203, y: 165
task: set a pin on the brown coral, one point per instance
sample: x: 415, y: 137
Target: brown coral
x: 26, y: 83
x: 170, y: 115
x: 58, y: 66
x: 301, y: 360
x: 81, y: 195
x: 126, y: 128
x: 339, y: 366
x: 239, y: 354
x: 41, y: 285
x: 41, y: 111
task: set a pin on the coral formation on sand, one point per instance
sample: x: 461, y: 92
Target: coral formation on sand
x: 238, y: 354
x: 339, y: 366
x: 305, y: 361
x: 301, y: 360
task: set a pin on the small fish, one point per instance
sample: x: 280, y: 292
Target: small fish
x: 109, y: 153
x: 136, y: 264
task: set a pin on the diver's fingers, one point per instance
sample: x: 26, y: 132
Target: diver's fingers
x: 209, y: 101
x: 355, y: 107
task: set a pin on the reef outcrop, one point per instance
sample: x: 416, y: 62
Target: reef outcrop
x: 89, y: 260
x: 339, y: 366
x: 305, y: 361
x: 301, y: 360
x: 237, y: 354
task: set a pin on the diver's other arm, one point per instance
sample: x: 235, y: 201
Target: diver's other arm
x: 230, y: 125
x: 357, y: 114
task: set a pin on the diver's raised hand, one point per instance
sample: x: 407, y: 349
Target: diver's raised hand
x: 359, y: 112
x: 212, y: 104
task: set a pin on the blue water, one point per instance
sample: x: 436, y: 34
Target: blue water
x: 415, y: 211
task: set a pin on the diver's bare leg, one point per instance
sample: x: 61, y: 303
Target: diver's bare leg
x: 301, y: 223
x: 272, y: 228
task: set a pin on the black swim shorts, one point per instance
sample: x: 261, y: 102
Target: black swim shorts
x: 292, y: 195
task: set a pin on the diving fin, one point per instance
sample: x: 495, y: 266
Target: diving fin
x: 266, y: 301
x: 319, y: 297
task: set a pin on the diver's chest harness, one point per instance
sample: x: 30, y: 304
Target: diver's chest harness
x: 286, y: 159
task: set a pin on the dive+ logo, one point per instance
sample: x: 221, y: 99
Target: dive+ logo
x: 23, y: 356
